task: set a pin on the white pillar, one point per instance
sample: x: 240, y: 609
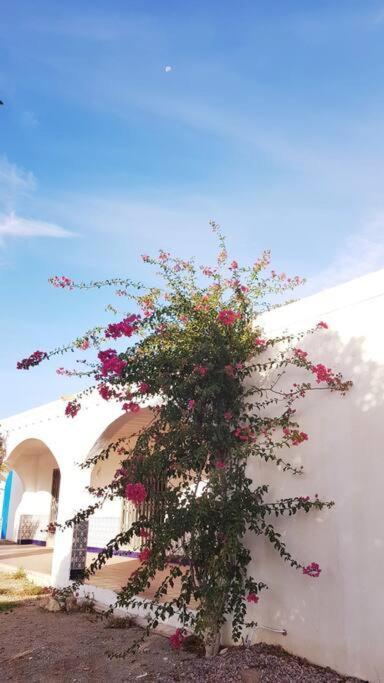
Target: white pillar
x: 72, y: 498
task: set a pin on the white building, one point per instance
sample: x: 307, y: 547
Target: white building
x: 335, y: 621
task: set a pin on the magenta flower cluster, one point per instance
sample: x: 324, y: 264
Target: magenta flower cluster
x: 72, y: 408
x: 34, y: 359
x: 110, y: 363
x: 125, y: 328
x: 62, y: 281
x: 136, y: 493
x: 312, y: 569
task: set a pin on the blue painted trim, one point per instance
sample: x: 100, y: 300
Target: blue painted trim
x: 6, y: 503
x: 120, y: 553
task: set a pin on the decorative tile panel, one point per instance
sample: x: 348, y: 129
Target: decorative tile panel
x: 32, y: 528
x: 79, y: 549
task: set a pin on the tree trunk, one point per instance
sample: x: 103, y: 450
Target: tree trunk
x: 212, y: 643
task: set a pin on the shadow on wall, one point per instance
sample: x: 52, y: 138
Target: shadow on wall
x: 336, y: 620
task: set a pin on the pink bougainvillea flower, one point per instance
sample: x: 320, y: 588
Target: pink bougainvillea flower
x: 220, y: 464
x: 322, y: 373
x: 145, y: 258
x: 144, y: 533
x: 62, y: 282
x: 201, y: 370
x: 260, y: 342
x: 228, y: 415
x: 312, y: 569
x: 233, y: 265
x: 110, y: 362
x: 303, y: 499
x: 72, y: 408
x: 34, y: 359
x: 295, y: 436
x: 105, y: 392
x: 228, y: 317
x: 144, y: 388
x: 191, y: 404
x: 131, y: 407
x: 125, y: 328
x: 177, y: 639
x: 209, y: 272
x: 202, y: 307
x: 322, y: 324
x: 147, y: 302
x: 164, y: 255
x: 66, y: 373
x: 252, y: 597
x: 136, y: 493
x: 300, y: 354
x: 84, y: 344
x: 235, y: 283
x: 244, y: 434
x: 144, y: 555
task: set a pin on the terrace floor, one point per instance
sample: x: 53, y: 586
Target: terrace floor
x: 37, y: 563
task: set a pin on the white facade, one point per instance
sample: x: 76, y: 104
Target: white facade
x: 336, y: 620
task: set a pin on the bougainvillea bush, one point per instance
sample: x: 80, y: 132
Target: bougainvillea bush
x: 195, y: 345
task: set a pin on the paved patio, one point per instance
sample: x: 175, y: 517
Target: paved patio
x: 37, y: 562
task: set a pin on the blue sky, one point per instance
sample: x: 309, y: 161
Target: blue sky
x: 271, y: 121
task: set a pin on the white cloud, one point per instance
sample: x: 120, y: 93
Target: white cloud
x: 361, y: 253
x: 16, y: 226
x: 16, y: 190
x: 167, y: 69
x: 14, y: 181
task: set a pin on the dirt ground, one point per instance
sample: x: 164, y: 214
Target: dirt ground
x: 39, y: 646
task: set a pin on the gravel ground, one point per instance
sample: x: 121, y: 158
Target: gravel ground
x: 37, y: 646
x: 260, y: 663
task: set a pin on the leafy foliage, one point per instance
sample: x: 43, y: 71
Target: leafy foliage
x: 221, y: 399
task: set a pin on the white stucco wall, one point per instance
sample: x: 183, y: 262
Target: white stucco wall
x: 70, y: 441
x: 338, y: 619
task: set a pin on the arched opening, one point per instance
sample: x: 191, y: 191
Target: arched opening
x: 34, y: 504
x: 115, y: 515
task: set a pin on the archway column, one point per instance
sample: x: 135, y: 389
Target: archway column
x: 79, y: 550
x: 70, y: 548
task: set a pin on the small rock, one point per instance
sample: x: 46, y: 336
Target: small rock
x: 52, y: 605
x: 222, y: 652
x: 250, y: 676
